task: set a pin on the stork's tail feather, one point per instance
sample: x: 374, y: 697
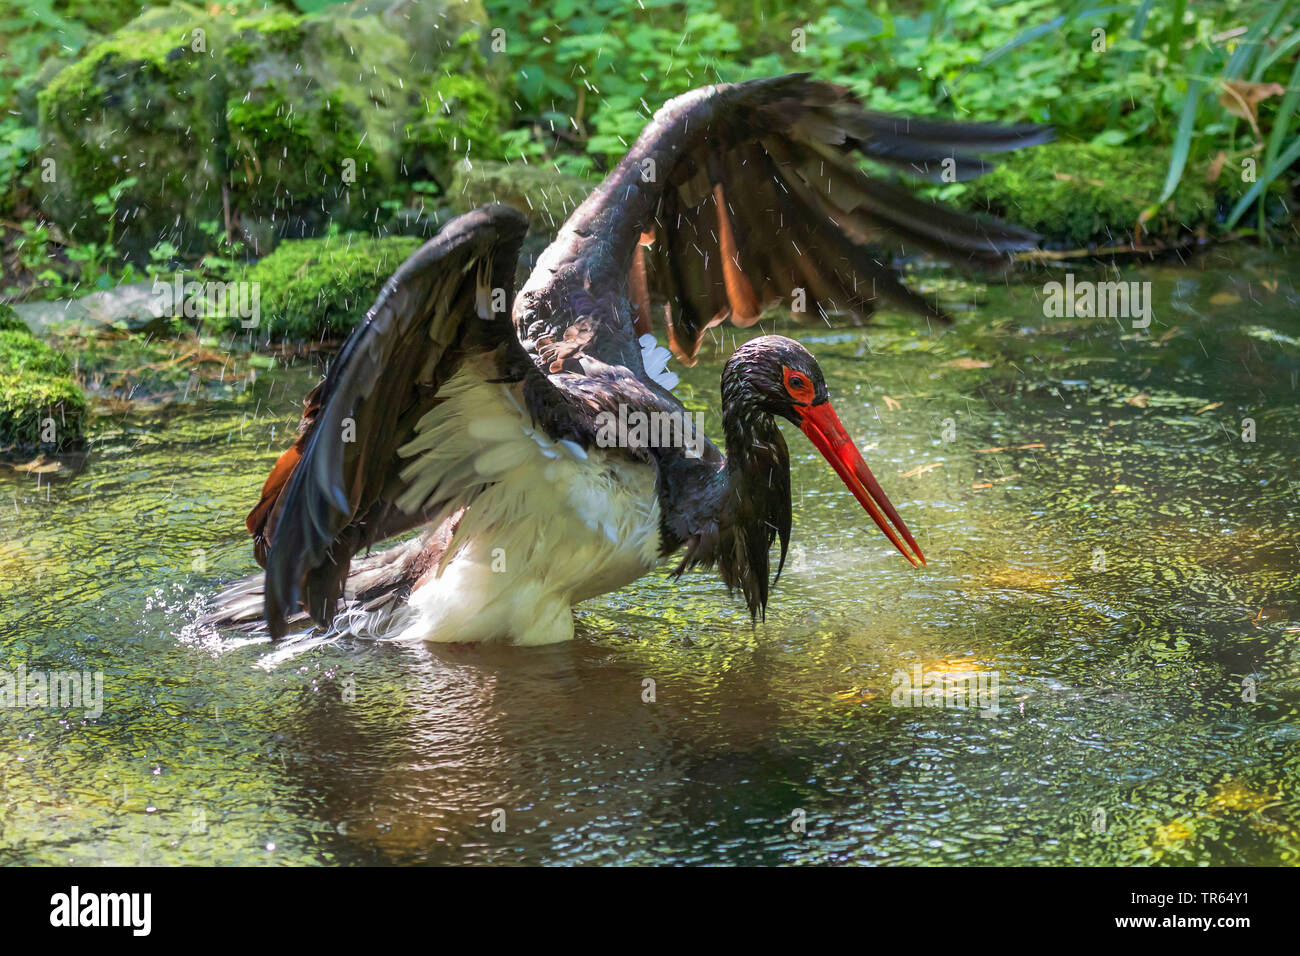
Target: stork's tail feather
x: 377, y: 586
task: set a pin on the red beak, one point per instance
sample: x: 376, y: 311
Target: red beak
x: 824, y: 429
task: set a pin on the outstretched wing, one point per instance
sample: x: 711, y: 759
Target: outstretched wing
x: 749, y: 195
x: 335, y: 491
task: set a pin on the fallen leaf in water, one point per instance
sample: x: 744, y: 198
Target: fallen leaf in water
x: 985, y: 451
x: 1141, y: 400
x: 1207, y: 408
x: 920, y: 470
x: 891, y: 403
x: 966, y: 363
x: 1225, y: 298
x: 1269, y: 284
x: 990, y: 484
x: 39, y: 465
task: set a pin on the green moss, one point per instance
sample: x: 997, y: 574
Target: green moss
x: 21, y: 351
x: 160, y: 55
x: 9, y: 319
x: 283, y: 154
x: 1076, y: 194
x: 321, y: 287
x: 28, y: 402
x: 35, y: 385
x: 254, y: 36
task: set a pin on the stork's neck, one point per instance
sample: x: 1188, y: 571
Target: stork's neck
x: 755, y: 510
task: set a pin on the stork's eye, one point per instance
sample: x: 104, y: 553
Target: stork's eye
x: 797, y: 384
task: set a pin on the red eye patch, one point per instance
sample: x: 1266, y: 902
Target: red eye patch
x: 798, y: 385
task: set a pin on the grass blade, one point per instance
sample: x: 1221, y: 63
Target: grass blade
x: 1275, y: 170
x: 1186, y: 125
x: 1033, y: 33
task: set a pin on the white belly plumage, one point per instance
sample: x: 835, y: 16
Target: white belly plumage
x: 549, y: 524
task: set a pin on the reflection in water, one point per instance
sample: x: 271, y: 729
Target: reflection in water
x: 1103, y: 542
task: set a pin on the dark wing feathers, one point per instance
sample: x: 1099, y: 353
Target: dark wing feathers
x: 328, y: 496
x: 771, y: 168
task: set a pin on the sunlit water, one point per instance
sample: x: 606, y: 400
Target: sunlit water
x: 1104, y: 546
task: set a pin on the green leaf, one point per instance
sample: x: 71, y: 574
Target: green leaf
x: 1186, y: 126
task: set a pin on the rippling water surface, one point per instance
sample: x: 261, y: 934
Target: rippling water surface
x: 1104, y: 546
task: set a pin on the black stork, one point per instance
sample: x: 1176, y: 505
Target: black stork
x: 474, y: 413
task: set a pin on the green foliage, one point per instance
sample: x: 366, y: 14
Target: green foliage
x: 463, y: 115
x: 313, y: 288
x: 1210, y: 89
x: 591, y: 74
x: 90, y: 265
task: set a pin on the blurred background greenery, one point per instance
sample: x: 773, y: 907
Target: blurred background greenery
x: 1176, y: 120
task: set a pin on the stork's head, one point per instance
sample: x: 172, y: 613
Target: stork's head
x: 776, y: 376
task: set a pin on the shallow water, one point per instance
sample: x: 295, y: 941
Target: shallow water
x: 1104, y: 547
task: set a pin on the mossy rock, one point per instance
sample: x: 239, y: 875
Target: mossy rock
x: 314, y: 288
x: 1076, y: 195
x: 544, y: 195
x: 301, y: 121
x: 145, y: 104
x: 41, y: 406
